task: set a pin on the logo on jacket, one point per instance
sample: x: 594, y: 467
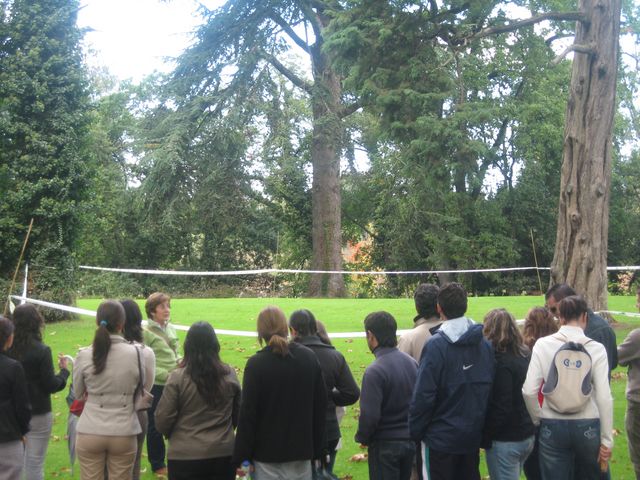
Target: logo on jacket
x: 467, y: 367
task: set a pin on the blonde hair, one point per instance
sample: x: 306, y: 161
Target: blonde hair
x: 501, y: 330
x: 539, y: 323
x: 272, y: 329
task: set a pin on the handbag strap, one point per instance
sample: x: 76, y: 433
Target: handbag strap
x: 140, y: 385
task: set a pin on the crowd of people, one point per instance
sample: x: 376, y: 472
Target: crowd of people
x: 537, y: 399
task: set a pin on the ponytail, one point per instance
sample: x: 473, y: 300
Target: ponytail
x: 272, y: 329
x: 279, y: 345
x: 110, y: 319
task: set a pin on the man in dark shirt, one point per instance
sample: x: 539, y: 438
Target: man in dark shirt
x: 387, y: 386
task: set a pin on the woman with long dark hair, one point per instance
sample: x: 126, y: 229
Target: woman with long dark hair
x: 199, y: 409
x: 571, y: 445
x: 108, y: 373
x: 15, y: 412
x: 42, y: 381
x: 508, y: 435
x: 133, y: 333
x: 284, y: 401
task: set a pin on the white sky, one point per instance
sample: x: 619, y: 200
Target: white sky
x: 132, y: 38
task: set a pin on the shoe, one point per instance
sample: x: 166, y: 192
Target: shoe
x: 161, y: 472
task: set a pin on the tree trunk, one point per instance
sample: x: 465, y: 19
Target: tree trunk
x: 326, y: 196
x: 580, y: 257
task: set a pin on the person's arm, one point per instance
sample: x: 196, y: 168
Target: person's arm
x: 50, y: 382
x: 531, y: 386
x: 603, y: 399
x: 247, y: 422
x: 79, y: 388
x: 423, y: 401
x: 320, y: 400
x: 20, y: 399
x: 370, y: 405
x: 237, y: 399
x: 500, y: 405
x: 149, y: 365
x: 346, y: 391
x: 629, y: 349
x: 168, y: 407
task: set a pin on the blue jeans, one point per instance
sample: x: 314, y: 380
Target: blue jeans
x: 155, y: 442
x: 391, y: 459
x: 505, y: 459
x: 568, y: 445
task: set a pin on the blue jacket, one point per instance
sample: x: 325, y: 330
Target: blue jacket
x: 453, y: 388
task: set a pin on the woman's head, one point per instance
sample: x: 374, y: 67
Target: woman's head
x: 6, y: 333
x: 110, y: 319
x: 539, y: 323
x: 272, y: 329
x: 501, y: 330
x: 132, y: 321
x: 573, y: 309
x: 158, y: 307
x: 28, y: 325
x: 323, y: 335
x: 304, y: 323
x: 201, y: 339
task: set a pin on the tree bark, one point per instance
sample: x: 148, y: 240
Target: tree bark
x: 580, y: 257
x: 326, y: 191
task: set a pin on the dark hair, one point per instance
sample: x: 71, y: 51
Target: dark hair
x: 109, y: 317
x: 6, y: 329
x: 571, y: 308
x: 322, y: 333
x: 28, y: 325
x: 383, y: 326
x: 426, y: 299
x: 153, y: 301
x: 452, y: 299
x: 539, y: 323
x: 132, y: 321
x: 303, y: 322
x: 202, y: 362
x: 501, y: 330
x: 272, y: 329
x: 559, y: 291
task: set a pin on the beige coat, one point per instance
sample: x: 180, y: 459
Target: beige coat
x: 109, y: 408
x: 413, y: 341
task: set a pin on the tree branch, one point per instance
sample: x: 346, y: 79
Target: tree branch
x: 565, y: 16
x: 286, y: 28
x: 312, y: 17
x: 347, y: 110
x: 559, y: 36
x: 586, y: 49
x: 292, y: 77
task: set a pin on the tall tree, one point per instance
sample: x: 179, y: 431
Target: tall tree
x: 43, y: 101
x: 580, y: 257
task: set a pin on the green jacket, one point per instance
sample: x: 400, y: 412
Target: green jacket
x: 164, y: 344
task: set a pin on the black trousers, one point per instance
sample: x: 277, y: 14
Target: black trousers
x: 219, y: 468
x: 449, y: 466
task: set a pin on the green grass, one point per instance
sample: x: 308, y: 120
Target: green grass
x: 340, y: 316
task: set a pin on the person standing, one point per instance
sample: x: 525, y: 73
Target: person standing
x: 629, y: 356
x: 161, y: 337
x: 15, y: 411
x: 387, y: 385
x: 281, y: 428
x: 42, y: 381
x: 508, y: 435
x: 425, y: 323
x: 571, y: 445
x: 452, y: 392
x: 108, y: 373
x: 198, y: 410
x: 342, y: 389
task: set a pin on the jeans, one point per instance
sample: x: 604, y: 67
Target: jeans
x: 391, y: 459
x: 155, y: 442
x: 506, y: 459
x: 37, y: 443
x: 11, y: 460
x: 632, y: 424
x: 568, y: 445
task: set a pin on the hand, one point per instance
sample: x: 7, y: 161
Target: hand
x: 604, y: 455
x: 63, y: 361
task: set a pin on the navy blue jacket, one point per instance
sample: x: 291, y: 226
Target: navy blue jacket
x: 384, y: 400
x: 452, y: 391
x: 598, y: 329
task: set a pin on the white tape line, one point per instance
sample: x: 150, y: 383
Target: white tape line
x: 56, y: 306
x: 624, y: 314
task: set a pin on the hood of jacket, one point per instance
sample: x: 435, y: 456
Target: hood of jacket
x: 462, y: 331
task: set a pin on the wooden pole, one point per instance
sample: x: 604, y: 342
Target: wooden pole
x: 535, y: 258
x: 15, y: 274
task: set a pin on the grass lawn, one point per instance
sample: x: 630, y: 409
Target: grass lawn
x: 343, y: 315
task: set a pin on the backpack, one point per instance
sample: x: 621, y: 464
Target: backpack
x: 568, y: 388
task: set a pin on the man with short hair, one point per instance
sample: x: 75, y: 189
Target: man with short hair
x: 425, y: 323
x: 597, y: 329
x: 452, y: 392
x: 387, y: 385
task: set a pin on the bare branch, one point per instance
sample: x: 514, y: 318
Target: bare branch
x: 312, y: 16
x: 586, y: 49
x: 349, y: 109
x: 292, y: 77
x: 565, y: 16
x: 286, y: 28
x: 559, y: 36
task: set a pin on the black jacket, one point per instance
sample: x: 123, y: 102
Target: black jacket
x: 15, y: 411
x: 598, y: 329
x: 507, y: 418
x: 283, y: 408
x: 342, y: 389
x: 41, y: 378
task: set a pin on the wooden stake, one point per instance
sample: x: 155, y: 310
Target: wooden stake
x: 535, y: 258
x: 15, y: 274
